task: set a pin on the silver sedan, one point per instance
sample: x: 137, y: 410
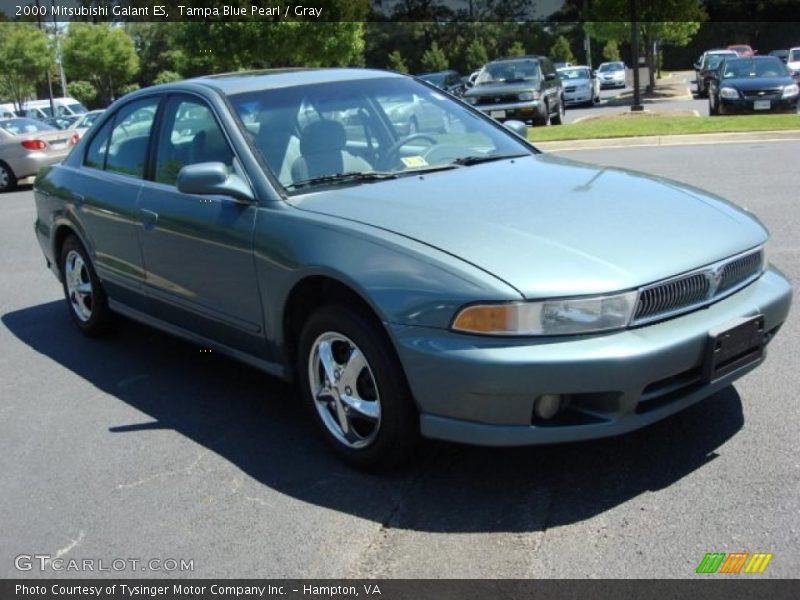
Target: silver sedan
x: 27, y: 145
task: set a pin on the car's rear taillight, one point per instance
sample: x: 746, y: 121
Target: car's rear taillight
x: 34, y: 144
x: 74, y: 139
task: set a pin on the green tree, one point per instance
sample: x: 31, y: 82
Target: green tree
x: 25, y: 56
x: 670, y: 22
x: 434, y: 58
x: 157, y: 48
x: 83, y: 91
x: 611, y: 50
x: 475, y: 55
x: 560, y: 51
x: 103, y: 54
x: 167, y: 77
x: 397, y: 63
x: 516, y: 49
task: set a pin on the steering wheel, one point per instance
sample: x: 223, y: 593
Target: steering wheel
x: 393, y: 151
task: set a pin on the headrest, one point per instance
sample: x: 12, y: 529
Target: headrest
x: 322, y: 136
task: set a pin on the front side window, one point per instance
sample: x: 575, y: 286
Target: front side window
x: 127, y: 148
x: 190, y: 135
x: 98, y: 147
x: 389, y: 126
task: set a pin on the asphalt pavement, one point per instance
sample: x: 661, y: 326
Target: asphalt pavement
x: 140, y: 446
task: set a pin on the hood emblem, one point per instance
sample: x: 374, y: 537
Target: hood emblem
x: 714, y: 277
x: 761, y: 93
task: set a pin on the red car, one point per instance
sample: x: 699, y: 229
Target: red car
x: 742, y: 50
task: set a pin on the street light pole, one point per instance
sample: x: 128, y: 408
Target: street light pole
x: 49, y: 80
x: 58, y: 51
x: 637, y: 99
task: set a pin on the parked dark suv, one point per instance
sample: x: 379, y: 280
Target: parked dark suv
x: 524, y: 88
x: 450, y: 81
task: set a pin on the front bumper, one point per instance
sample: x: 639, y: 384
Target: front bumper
x: 612, y: 83
x: 578, y: 97
x: 520, y: 111
x: 747, y: 106
x: 481, y: 390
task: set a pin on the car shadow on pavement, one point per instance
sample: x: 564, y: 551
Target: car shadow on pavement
x: 254, y: 422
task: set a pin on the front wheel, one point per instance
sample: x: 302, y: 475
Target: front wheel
x: 7, y: 179
x: 558, y: 118
x: 88, y: 305
x: 355, y: 389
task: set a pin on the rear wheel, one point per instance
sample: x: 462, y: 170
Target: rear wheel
x: 355, y: 389
x: 7, y: 179
x: 86, y: 299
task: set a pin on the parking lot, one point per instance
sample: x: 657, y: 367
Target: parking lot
x: 142, y: 446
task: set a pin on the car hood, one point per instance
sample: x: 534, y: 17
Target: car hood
x: 757, y: 83
x: 549, y: 226
x: 611, y: 73
x: 501, y: 89
x: 576, y: 82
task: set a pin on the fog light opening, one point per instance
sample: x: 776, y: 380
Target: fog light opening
x: 548, y: 406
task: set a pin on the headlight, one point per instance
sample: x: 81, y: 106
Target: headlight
x: 728, y: 92
x: 472, y: 99
x: 791, y: 90
x: 528, y: 96
x: 548, y: 317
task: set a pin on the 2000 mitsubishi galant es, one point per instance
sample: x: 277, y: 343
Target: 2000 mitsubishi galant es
x: 450, y: 281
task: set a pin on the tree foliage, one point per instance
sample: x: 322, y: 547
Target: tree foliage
x: 397, y: 63
x: 167, y: 77
x: 611, y: 50
x: 561, y: 51
x: 434, y: 58
x: 25, y: 57
x: 516, y: 49
x: 101, y: 53
x: 476, y: 56
x: 83, y: 91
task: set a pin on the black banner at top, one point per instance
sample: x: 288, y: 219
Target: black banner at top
x: 400, y: 10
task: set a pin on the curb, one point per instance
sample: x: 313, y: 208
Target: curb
x: 671, y: 140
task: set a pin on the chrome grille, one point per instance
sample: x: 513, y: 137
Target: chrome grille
x: 692, y: 290
x: 738, y: 270
x: 756, y: 94
x: 667, y: 297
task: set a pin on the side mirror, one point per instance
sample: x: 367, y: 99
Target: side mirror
x: 697, y: 66
x: 517, y: 127
x: 594, y: 73
x: 213, y: 178
x: 550, y: 76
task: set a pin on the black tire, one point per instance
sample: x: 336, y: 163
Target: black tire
x: 558, y: 118
x: 100, y: 318
x: 396, y: 435
x: 713, y: 110
x: 545, y: 120
x: 8, y: 180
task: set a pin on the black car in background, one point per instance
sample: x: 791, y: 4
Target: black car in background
x: 522, y: 88
x: 751, y: 85
x: 449, y: 81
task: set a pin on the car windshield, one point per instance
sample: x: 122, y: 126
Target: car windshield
x: 794, y: 55
x: 357, y: 131
x: 77, y: 108
x: 766, y: 66
x: 575, y: 73
x: 507, y: 71
x: 436, y: 79
x: 25, y: 126
x: 88, y: 119
x: 604, y: 68
x: 713, y: 60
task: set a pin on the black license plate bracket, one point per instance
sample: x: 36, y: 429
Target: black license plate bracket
x: 733, y: 346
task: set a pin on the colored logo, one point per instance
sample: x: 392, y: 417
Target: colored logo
x: 735, y: 562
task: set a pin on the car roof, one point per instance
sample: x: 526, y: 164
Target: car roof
x: 572, y: 67
x: 523, y: 57
x: 250, y: 81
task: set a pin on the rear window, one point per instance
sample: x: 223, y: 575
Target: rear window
x: 25, y: 126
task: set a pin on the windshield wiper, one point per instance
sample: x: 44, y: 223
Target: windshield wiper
x: 349, y: 177
x: 466, y: 161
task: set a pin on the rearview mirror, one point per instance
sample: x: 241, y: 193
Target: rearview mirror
x: 517, y: 127
x: 213, y: 178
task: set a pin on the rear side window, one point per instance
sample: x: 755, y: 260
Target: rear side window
x: 96, y: 154
x: 127, y: 147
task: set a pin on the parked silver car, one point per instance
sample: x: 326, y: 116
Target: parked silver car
x: 611, y: 74
x: 27, y: 145
x: 580, y: 85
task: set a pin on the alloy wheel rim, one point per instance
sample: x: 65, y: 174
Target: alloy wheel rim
x: 4, y: 178
x: 344, y: 390
x: 79, y: 285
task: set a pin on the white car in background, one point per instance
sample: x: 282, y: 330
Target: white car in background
x: 83, y: 124
x: 611, y: 74
x: 793, y: 62
x: 580, y: 86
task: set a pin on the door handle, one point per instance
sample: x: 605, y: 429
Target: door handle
x: 148, y: 217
